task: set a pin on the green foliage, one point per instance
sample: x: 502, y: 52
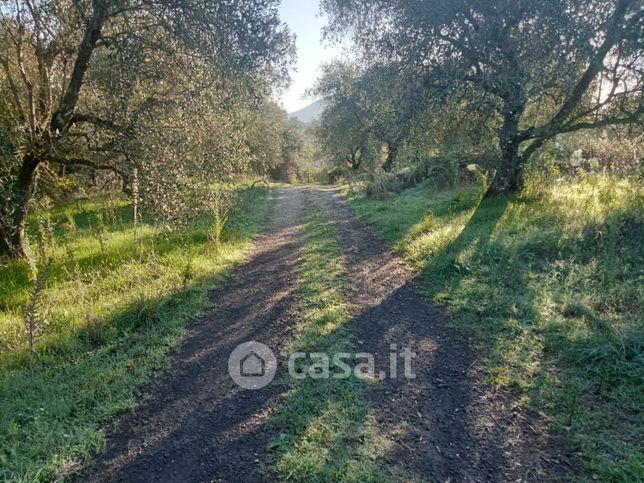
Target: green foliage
x: 364, y: 110
x: 265, y: 138
x: 112, y: 319
x: 152, y: 89
x: 550, y: 288
x: 524, y: 72
x: 618, y: 151
x: 381, y: 185
x: 33, y: 313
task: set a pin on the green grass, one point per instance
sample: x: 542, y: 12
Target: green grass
x: 326, y: 430
x: 550, y: 286
x: 112, y: 314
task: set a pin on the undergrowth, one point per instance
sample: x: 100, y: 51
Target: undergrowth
x: 550, y: 285
x: 113, y: 305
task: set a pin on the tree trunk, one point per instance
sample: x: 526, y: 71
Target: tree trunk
x: 392, y: 154
x: 13, y: 240
x: 5, y: 244
x: 356, y: 159
x: 507, y: 178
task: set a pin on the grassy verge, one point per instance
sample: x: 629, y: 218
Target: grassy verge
x: 550, y: 285
x: 326, y: 430
x: 110, y: 313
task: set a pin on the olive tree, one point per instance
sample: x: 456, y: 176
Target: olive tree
x: 364, y: 104
x: 84, y: 77
x: 544, y: 67
x: 342, y: 131
x: 265, y: 136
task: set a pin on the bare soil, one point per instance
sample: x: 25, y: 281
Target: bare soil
x: 195, y: 424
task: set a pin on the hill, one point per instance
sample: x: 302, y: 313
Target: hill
x: 310, y: 113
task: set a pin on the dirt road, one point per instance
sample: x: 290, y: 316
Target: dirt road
x: 197, y: 425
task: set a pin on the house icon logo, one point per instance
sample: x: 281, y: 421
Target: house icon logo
x: 252, y: 365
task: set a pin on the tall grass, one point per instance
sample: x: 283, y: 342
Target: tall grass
x: 113, y: 313
x: 550, y: 285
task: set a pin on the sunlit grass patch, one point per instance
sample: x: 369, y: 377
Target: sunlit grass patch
x: 550, y: 284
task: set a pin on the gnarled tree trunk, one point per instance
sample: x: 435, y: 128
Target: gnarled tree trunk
x: 5, y: 242
x: 508, y: 175
x: 356, y: 159
x: 13, y: 240
x: 14, y: 222
x: 392, y: 155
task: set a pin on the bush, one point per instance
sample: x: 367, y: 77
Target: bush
x: 445, y: 171
x: 382, y: 184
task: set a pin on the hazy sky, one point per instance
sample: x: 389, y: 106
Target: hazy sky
x: 303, y: 18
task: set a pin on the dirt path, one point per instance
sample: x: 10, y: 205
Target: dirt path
x: 448, y: 423
x: 197, y: 425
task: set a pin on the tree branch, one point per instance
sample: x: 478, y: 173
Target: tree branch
x: 609, y: 121
x: 594, y: 67
x: 99, y: 122
x: 61, y: 119
x: 15, y: 93
x: 89, y: 164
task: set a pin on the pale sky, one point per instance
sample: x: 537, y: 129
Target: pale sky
x: 304, y: 19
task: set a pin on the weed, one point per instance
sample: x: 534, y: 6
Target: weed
x: 45, y: 229
x: 219, y: 203
x: 101, y: 232
x: 33, y: 314
x: 135, y: 212
x: 187, y: 275
x: 216, y: 230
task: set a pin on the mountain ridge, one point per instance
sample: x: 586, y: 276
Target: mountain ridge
x: 310, y: 113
